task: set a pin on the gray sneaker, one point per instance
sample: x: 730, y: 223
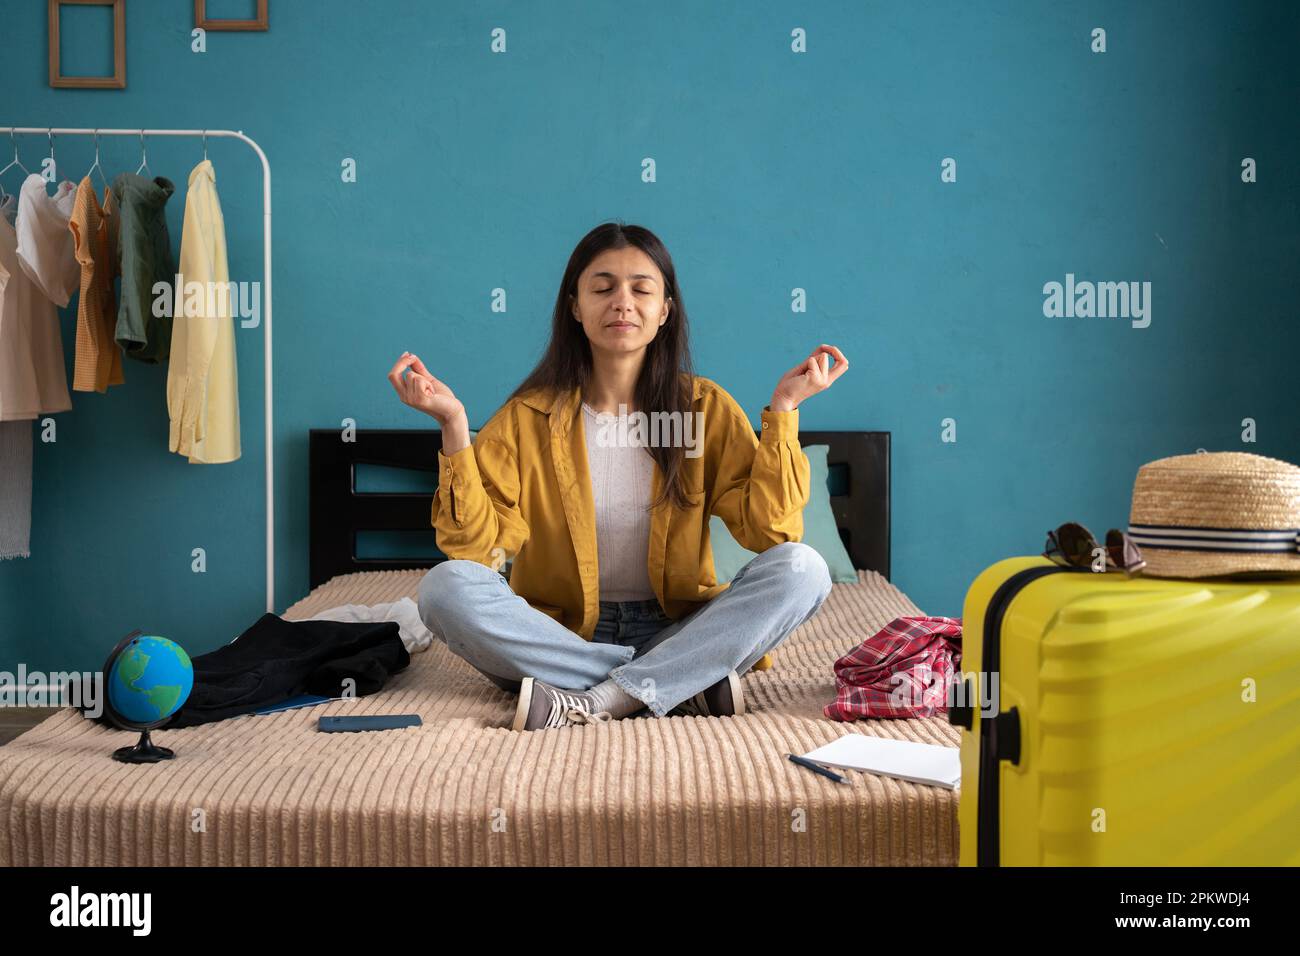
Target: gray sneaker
x: 723, y: 699
x: 541, y: 706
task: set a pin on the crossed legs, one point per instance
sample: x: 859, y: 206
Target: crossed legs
x: 472, y: 609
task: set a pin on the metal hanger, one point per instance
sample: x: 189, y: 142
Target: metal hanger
x: 53, y: 162
x: 205, y: 144
x: 96, y: 165
x: 16, y: 162
x: 144, y: 158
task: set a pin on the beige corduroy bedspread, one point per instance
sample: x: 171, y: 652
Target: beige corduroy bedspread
x: 464, y: 789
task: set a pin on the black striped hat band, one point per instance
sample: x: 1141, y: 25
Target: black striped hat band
x: 1239, y: 540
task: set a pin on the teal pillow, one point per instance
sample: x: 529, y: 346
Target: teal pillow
x: 819, y: 531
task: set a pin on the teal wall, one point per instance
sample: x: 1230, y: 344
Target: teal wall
x: 775, y: 170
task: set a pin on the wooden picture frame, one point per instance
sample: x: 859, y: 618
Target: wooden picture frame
x: 115, y: 82
x: 261, y: 22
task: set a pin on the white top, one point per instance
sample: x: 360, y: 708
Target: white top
x: 45, y: 246
x: 33, y: 378
x: 622, y: 479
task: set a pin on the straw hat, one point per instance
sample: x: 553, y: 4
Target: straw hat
x: 1217, y: 513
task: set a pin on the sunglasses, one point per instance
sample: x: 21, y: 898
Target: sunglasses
x: 1073, y: 546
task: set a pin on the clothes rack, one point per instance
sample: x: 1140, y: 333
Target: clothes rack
x: 266, y: 292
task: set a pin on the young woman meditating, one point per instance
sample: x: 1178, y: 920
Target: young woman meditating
x: 612, y: 605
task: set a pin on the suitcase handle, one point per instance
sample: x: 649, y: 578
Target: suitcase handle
x: 963, y: 715
x: 1008, y: 730
x: 1009, y: 735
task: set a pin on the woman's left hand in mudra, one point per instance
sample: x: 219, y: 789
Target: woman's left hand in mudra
x: 814, y: 374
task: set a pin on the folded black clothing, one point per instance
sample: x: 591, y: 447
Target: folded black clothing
x: 276, y: 659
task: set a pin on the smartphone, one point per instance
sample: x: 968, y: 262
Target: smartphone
x: 340, y: 725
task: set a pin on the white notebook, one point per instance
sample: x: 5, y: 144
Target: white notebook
x: 919, y: 763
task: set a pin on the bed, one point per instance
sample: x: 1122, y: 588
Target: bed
x: 463, y: 789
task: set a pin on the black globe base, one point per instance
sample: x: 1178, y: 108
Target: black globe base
x: 145, y: 751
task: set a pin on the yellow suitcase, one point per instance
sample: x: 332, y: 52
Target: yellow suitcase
x: 1139, y: 721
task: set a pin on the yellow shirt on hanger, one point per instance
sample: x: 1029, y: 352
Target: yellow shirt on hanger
x: 202, y: 383
x: 98, y: 362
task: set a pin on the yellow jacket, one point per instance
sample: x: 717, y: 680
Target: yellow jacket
x: 203, y: 379
x: 522, y: 490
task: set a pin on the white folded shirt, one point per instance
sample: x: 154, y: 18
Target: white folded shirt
x: 414, y: 634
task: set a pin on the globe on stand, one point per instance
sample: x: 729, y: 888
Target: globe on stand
x: 149, y: 679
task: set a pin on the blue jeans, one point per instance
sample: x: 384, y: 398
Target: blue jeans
x: 659, y: 661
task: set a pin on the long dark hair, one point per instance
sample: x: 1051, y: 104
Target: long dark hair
x: 666, y: 382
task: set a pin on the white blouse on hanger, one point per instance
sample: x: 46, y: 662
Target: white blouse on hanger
x: 45, y: 246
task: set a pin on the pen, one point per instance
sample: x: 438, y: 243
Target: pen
x: 816, y: 768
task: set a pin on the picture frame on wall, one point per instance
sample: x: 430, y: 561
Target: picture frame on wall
x: 115, y: 82
x: 260, y: 22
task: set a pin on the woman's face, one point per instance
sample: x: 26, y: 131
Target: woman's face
x: 621, y: 302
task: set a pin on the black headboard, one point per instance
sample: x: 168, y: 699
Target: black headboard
x: 859, y: 482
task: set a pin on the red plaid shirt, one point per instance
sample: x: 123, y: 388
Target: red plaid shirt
x: 905, y: 670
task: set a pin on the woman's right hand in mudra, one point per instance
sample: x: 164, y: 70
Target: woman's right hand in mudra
x: 417, y: 387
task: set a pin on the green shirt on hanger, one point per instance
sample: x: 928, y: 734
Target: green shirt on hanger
x: 144, y: 250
